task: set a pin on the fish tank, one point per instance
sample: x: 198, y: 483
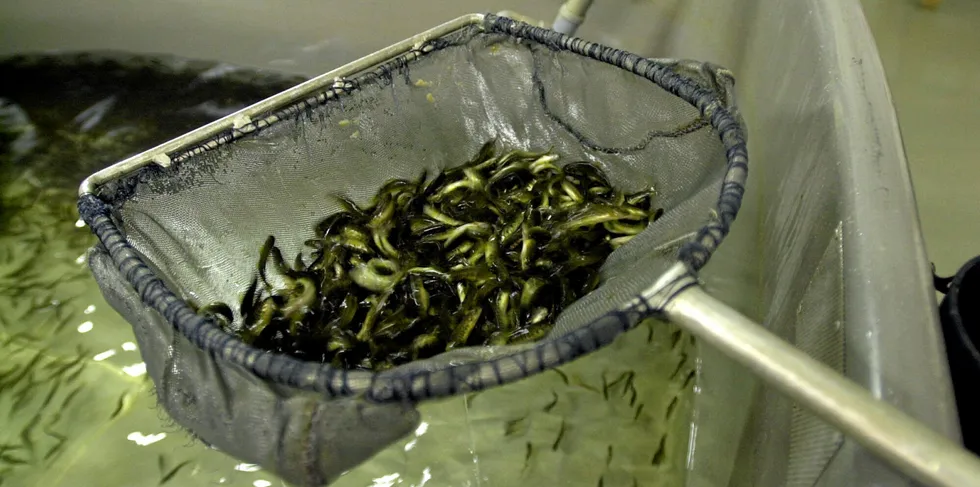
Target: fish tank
x: 827, y: 231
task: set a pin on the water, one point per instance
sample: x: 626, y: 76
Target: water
x: 76, y: 404
x: 74, y: 398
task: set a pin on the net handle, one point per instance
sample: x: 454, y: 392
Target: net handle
x: 903, y: 442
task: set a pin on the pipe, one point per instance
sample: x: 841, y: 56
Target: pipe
x: 901, y: 441
x: 571, y: 15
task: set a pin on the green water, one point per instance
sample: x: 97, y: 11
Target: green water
x: 78, y: 410
x: 75, y: 404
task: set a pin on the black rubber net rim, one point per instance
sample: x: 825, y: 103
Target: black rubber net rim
x: 446, y: 380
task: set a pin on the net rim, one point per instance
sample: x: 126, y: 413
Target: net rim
x: 451, y: 379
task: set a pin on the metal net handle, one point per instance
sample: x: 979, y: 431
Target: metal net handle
x: 903, y: 442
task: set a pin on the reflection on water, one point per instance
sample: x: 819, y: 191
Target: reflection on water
x: 78, y: 410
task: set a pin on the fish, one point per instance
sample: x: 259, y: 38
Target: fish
x: 376, y: 275
x: 264, y: 252
x: 395, y: 324
x: 465, y: 326
x: 423, y: 342
x: 487, y: 252
x: 332, y: 224
x: 267, y: 310
x: 671, y: 407
x: 471, y: 182
x: 169, y: 475
x: 302, y: 298
x: 220, y: 311
x: 621, y: 228
x: 526, y: 335
x: 502, y: 310
x: 561, y: 435
x: 420, y: 296
x: 377, y: 303
x: 339, y: 342
x: 544, y: 163
x: 248, y: 300
x: 659, y: 456
x: 594, y: 214
x: 509, y: 177
x: 468, y: 229
x: 439, y: 216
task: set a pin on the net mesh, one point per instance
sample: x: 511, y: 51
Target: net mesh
x: 192, y: 231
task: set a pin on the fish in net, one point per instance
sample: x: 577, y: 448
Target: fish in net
x: 485, y: 253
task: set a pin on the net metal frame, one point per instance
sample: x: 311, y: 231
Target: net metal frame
x: 443, y: 380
